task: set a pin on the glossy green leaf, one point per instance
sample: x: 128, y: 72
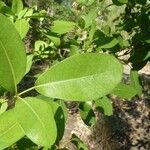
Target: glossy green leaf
x: 10, y: 130
x: 22, y: 26
x: 59, y: 112
x: 104, y: 105
x: 31, y: 117
x: 81, y: 77
x: 87, y: 113
x: 29, y: 63
x: 17, y: 6
x: 124, y: 91
x: 62, y: 27
x: 12, y: 55
x: 38, y: 122
x: 135, y: 82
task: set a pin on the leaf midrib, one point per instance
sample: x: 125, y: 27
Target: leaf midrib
x: 11, y: 66
x: 72, y: 79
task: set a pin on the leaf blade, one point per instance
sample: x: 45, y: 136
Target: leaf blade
x: 80, y: 77
x: 12, y: 51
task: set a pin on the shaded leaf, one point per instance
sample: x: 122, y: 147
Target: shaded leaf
x: 120, y: 2
x: 87, y: 113
x: 79, y: 144
x: 81, y: 77
x: 104, y: 105
x: 135, y: 82
x: 124, y: 91
x: 109, y: 43
x: 26, y: 144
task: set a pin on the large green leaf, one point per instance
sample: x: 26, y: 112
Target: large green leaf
x: 59, y: 115
x: 10, y: 129
x: 12, y: 55
x: 37, y: 119
x: 62, y: 27
x: 31, y: 117
x: 81, y: 77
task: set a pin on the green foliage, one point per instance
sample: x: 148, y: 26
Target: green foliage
x: 22, y: 26
x: 62, y: 27
x: 104, y: 105
x: 93, y: 70
x: 87, y: 113
x: 12, y: 51
x: 81, y: 77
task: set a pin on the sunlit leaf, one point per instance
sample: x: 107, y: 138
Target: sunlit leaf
x: 81, y: 77
x: 12, y: 55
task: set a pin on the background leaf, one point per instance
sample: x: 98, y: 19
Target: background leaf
x: 29, y: 63
x: 22, y: 26
x: 17, y: 6
x: 135, y: 82
x: 62, y: 27
x: 12, y: 52
x: 104, y: 105
x: 124, y: 91
x: 81, y: 77
x: 87, y: 113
